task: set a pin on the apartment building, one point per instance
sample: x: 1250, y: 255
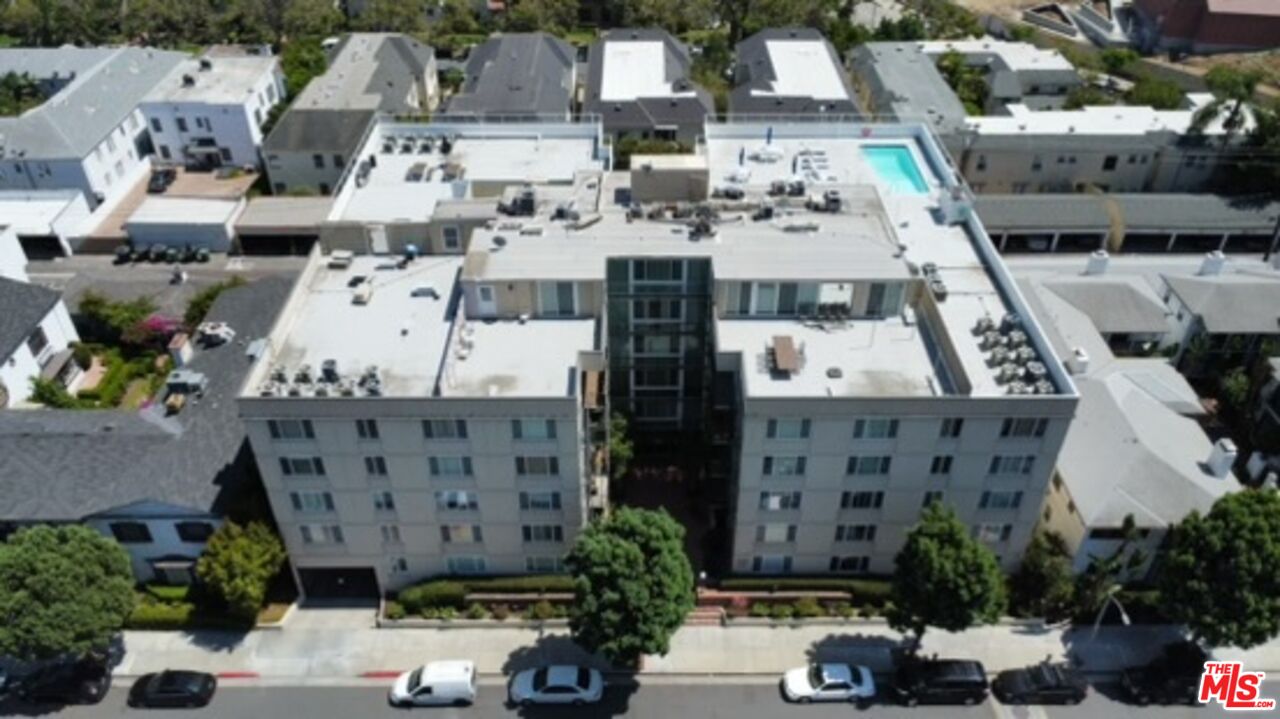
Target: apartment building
x: 1024, y: 141
x: 209, y: 111
x: 790, y: 71
x: 89, y: 134
x: 35, y: 331
x: 528, y: 75
x: 638, y: 84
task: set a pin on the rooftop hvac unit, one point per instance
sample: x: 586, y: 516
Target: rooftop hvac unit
x: 999, y: 356
x: 1017, y: 338
x: 321, y: 391
x: 303, y: 375
x: 991, y: 340
x: 939, y: 290
x: 329, y: 370
x: 1024, y: 355
x: 983, y: 325
x: 1008, y: 372
x: 1010, y: 322
x: 279, y: 374
x: 268, y: 389
x: 295, y: 390
x: 346, y: 388
x: 1019, y: 388
x: 1044, y: 386
x: 1037, y: 370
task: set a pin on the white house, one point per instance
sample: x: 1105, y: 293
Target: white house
x: 35, y: 330
x: 209, y: 111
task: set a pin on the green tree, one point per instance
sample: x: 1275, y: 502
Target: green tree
x: 238, y: 564
x: 244, y: 21
x: 199, y: 305
x: 51, y: 393
x: 301, y: 60
x: 407, y: 16
x: 107, y: 320
x: 633, y: 585
x: 310, y: 19
x: 1233, y: 90
x: 458, y: 17
x: 64, y: 590
x: 1101, y: 578
x: 1157, y: 93
x: 621, y: 448
x: 1044, y: 585
x: 553, y: 16
x: 1235, y: 389
x: 944, y: 578
x: 1220, y: 576
x: 677, y: 16
x: 1086, y: 95
x: 1116, y: 61
x: 966, y: 80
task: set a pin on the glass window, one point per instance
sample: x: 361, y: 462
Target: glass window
x: 1000, y: 500
x: 390, y: 534
x: 542, y: 533
x: 941, y: 464
x: 771, y: 564
x: 861, y: 500
x: 302, y: 466
x: 1011, y: 464
x: 930, y: 498
x: 367, y: 428
x: 131, y: 532
x: 37, y: 341
x: 651, y: 270
x: 875, y: 428
x: 544, y: 565
x: 529, y: 466
x: 951, y: 427
x: 467, y: 565
x: 321, y: 534
x: 450, y: 466
x: 444, y: 428
x: 453, y: 500
x: 556, y: 299
x: 290, y: 429
x: 869, y: 465
x: 787, y: 429
x: 776, y: 533
x: 197, y: 532
x: 452, y: 237
x: 461, y: 533
x: 375, y: 466
x: 766, y: 298
x: 783, y: 466
x: 856, y: 533
x: 1024, y: 427
x: 773, y: 501
x: 544, y: 501
x: 993, y: 533
x: 155, y: 125
x: 311, y: 502
x: 533, y: 429
x: 858, y: 564
x: 384, y: 502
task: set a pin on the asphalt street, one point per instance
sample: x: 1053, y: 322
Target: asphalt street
x: 760, y: 700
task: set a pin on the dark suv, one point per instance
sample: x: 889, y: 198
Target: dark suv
x: 82, y: 682
x: 1171, y: 678
x: 940, y: 681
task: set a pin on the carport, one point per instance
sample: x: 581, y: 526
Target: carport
x: 281, y: 225
x: 349, y: 583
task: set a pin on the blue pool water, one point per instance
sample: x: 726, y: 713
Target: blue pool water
x: 896, y: 168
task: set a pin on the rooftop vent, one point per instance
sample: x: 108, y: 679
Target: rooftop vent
x: 1097, y: 264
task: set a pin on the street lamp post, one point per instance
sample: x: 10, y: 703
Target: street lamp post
x: 1107, y: 601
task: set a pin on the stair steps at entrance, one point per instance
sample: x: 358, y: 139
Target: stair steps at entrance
x: 705, y: 617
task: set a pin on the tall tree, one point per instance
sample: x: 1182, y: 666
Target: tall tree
x: 311, y: 19
x: 1221, y: 574
x: 633, y: 584
x: 239, y: 563
x: 553, y: 16
x: 1104, y: 572
x: 64, y: 590
x: 944, y: 578
x: 1044, y: 585
x: 1233, y: 91
x: 677, y: 16
x: 407, y: 16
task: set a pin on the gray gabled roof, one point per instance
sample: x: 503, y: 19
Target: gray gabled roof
x: 369, y: 71
x: 23, y: 306
x: 106, y: 86
x: 904, y: 84
x: 648, y: 112
x: 322, y: 131
x: 1145, y: 212
x: 65, y: 465
x: 519, y: 74
x: 1237, y: 303
x: 1115, y: 304
x: 754, y: 77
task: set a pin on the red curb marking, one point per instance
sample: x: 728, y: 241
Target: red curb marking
x: 381, y: 674
x: 238, y: 675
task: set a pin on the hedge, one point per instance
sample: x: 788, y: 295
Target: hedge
x: 433, y: 595
x: 521, y: 584
x: 175, y: 615
x: 166, y: 593
x: 862, y: 590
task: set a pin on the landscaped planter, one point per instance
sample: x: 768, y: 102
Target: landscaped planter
x: 420, y: 623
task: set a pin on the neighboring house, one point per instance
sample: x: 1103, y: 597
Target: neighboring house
x: 518, y: 76
x: 1223, y: 318
x: 1023, y: 141
x: 89, y: 134
x: 1208, y: 26
x: 44, y: 222
x: 160, y: 484
x: 35, y: 331
x: 183, y: 222
x: 638, y: 83
x: 209, y: 111
x: 790, y: 71
x: 1124, y: 309
x: 1134, y: 447
x: 369, y: 73
x: 13, y: 261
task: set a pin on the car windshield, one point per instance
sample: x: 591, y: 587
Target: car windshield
x: 584, y: 678
x: 816, y: 677
x: 1044, y: 677
x: 540, y: 680
x: 415, y: 679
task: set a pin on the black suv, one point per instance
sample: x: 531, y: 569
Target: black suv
x: 1171, y: 678
x: 940, y: 681
x: 160, y: 180
x: 1044, y: 683
x: 82, y: 682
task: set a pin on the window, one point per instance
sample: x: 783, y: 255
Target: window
x: 660, y: 345
x: 311, y: 502
x: 384, y: 502
x: 321, y: 534
x: 37, y: 341
x: 290, y: 429
x: 982, y: 163
x: 861, y: 500
x: 182, y: 123
x: 456, y: 500
x: 537, y: 466
x: 318, y: 161
x: 131, y: 532
x: 398, y: 565
x: 993, y: 533
x: 542, y: 533
x: 951, y: 427
x: 156, y: 126
x: 197, y: 532
x: 450, y: 466
x: 375, y: 466
x: 669, y: 271
x: 930, y: 498
x: 111, y: 144
x: 461, y: 534
x: 444, y: 428
x: 302, y: 466
x: 1023, y: 427
x: 787, y: 429
x: 367, y: 428
x: 857, y: 564
x: 338, y: 162
x: 1107, y: 533
x: 784, y: 466
x: 654, y: 377
x: 856, y: 533
x: 774, y: 501
x: 164, y: 152
x: 390, y: 534
x: 771, y: 564
x: 467, y: 565
x: 875, y: 428
x: 540, y: 501
x: 941, y: 464
x: 544, y: 565
x: 869, y: 465
x: 1012, y: 464
x: 1000, y: 500
x: 556, y: 299
x: 452, y: 237
x: 776, y: 533
x: 1109, y: 163
x: 225, y: 153
x: 657, y: 310
x: 533, y: 429
x: 324, y: 188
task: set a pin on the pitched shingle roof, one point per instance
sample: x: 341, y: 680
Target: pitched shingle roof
x: 23, y: 306
x: 517, y: 74
x: 688, y: 110
x: 1239, y: 303
x: 756, y: 77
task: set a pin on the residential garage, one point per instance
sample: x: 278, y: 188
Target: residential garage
x: 184, y: 221
x: 281, y: 225
x: 353, y: 583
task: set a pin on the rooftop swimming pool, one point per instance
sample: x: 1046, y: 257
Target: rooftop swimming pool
x: 896, y: 168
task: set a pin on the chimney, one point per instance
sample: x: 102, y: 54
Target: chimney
x: 1078, y: 363
x: 1222, y: 457
x: 1097, y: 264
x: 1213, y: 264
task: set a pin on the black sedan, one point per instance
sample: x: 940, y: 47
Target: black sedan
x: 173, y: 689
x: 1173, y: 677
x: 82, y: 682
x: 161, y: 179
x: 1040, y: 684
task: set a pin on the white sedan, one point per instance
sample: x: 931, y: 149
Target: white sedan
x: 559, y: 684
x: 829, y: 683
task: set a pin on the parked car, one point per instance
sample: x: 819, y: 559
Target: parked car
x: 829, y: 683
x: 435, y: 683
x: 160, y: 180
x: 1044, y: 683
x: 1171, y: 678
x: 170, y: 688
x: 940, y: 681
x: 557, y: 684
x: 157, y: 252
x: 124, y: 254
x: 81, y: 682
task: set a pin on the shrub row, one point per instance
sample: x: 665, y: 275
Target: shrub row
x: 521, y: 584
x: 453, y: 592
x: 808, y: 608
x: 873, y: 591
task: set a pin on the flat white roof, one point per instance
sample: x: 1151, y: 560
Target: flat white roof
x: 803, y: 68
x: 229, y: 80
x: 537, y: 358
x: 1094, y: 120
x: 185, y: 211
x: 636, y: 69
x: 34, y: 212
x: 1019, y: 56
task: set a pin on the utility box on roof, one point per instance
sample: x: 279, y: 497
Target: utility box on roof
x: 669, y: 178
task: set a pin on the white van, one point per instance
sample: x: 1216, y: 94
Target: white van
x: 436, y: 683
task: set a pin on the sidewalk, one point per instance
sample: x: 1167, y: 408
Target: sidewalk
x: 344, y: 644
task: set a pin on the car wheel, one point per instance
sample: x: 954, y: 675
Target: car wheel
x: 461, y: 703
x: 804, y: 700
x: 526, y: 702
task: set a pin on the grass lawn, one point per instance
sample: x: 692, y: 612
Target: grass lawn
x: 139, y: 391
